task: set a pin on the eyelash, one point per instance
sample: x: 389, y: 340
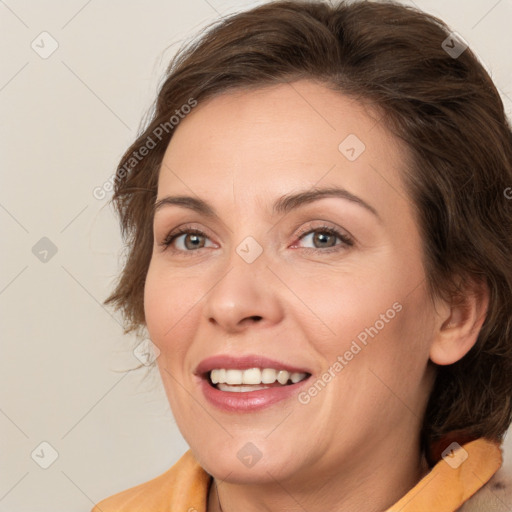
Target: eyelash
x: 346, y: 241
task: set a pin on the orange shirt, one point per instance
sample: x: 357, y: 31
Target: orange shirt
x: 449, y: 484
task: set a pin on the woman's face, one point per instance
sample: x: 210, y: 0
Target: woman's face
x: 303, y: 254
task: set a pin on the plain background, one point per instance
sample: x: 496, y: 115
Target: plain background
x: 65, y: 121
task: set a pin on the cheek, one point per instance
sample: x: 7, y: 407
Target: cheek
x: 391, y: 347
x: 381, y: 319
x: 345, y: 305
x: 156, y: 305
x: 171, y: 305
x: 170, y: 319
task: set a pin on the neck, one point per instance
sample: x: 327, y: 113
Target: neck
x: 372, y: 484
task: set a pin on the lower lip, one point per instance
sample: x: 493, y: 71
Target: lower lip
x: 251, y: 400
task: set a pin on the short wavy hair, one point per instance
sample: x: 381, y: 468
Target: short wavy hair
x: 446, y: 109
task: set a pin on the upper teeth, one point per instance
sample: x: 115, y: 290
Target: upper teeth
x: 254, y: 376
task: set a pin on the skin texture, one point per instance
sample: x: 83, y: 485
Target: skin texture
x: 355, y: 445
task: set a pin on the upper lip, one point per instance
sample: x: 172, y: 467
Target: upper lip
x: 244, y: 363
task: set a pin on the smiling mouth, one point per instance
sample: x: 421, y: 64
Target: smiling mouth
x: 252, y: 379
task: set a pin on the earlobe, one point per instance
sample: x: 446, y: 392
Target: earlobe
x: 458, y: 331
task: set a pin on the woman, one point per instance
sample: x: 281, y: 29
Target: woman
x: 319, y: 248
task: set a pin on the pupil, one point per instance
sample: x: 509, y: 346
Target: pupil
x: 322, y: 238
x: 193, y: 241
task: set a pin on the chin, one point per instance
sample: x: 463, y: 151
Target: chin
x: 241, y: 461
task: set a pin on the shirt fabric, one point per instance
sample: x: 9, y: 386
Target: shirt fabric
x: 445, y: 488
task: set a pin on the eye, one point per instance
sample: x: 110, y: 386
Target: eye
x: 325, y: 237
x: 186, y: 240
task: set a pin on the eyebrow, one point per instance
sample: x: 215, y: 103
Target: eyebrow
x: 283, y: 205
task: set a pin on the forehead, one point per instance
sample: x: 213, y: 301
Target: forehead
x: 272, y: 140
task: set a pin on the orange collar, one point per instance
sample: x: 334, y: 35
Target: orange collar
x: 451, y: 482
x: 454, y: 479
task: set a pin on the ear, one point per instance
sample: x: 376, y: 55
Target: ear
x: 459, y: 323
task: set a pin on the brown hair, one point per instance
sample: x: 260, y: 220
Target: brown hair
x: 445, y: 108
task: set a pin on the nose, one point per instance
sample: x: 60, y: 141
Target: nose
x: 247, y: 294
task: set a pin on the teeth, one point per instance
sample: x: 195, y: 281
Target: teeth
x: 219, y: 376
x: 234, y: 376
x: 268, y: 376
x: 240, y: 389
x: 297, y: 377
x: 283, y: 376
x: 253, y: 377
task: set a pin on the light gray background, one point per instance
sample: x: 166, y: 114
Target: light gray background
x: 65, y: 121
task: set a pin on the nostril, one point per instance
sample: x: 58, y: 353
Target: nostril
x: 256, y: 318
